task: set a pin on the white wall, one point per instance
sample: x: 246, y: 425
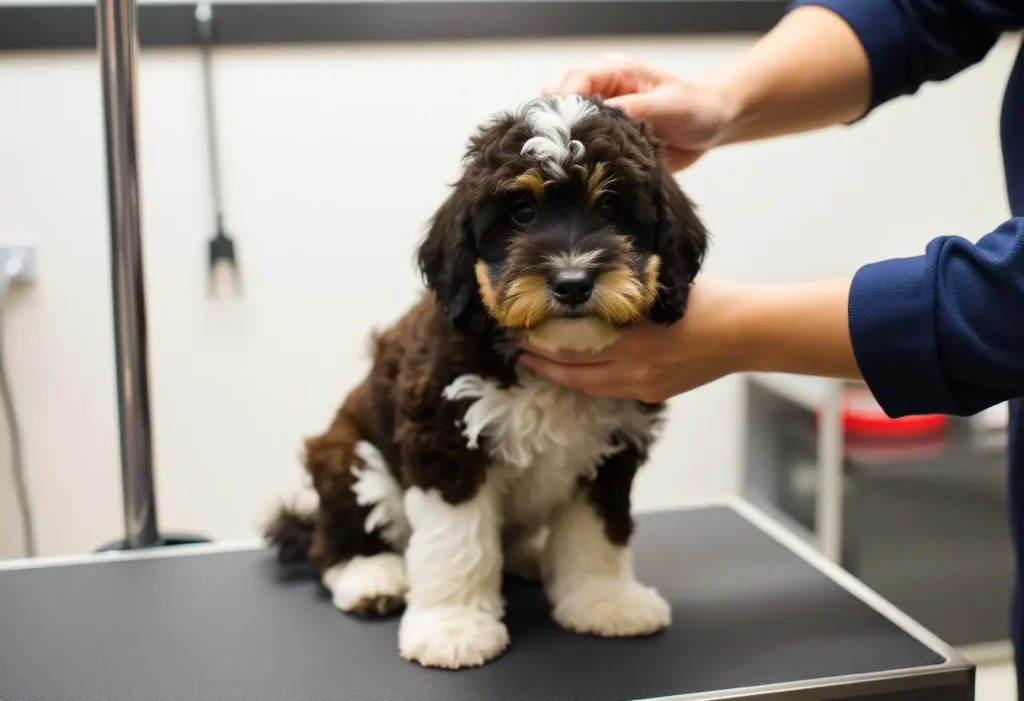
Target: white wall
x: 334, y: 157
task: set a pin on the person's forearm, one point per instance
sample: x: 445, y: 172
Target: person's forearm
x: 809, y: 72
x: 800, y: 328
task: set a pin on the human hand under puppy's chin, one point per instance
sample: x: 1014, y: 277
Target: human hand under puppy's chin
x: 652, y: 363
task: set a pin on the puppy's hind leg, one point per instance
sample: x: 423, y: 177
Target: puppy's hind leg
x: 367, y: 522
x: 373, y: 585
x: 359, y: 529
x: 360, y: 532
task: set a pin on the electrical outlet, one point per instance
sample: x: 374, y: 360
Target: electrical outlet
x: 18, y: 263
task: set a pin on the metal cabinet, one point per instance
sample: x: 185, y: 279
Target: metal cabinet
x: 921, y: 521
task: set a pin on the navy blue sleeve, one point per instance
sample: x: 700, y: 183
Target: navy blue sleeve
x: 912, y: 42
x: 943, y: 332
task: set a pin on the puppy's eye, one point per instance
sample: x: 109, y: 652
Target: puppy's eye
x: 608, y: 211
x: 524, y: 213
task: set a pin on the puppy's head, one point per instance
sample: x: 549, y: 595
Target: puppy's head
x: 564, y: 228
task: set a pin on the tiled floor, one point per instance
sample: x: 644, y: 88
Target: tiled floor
x: 995, y: 683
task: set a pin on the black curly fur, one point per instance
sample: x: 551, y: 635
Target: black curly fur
x: 445, y: 259
x: 682, y: 243
x: 290, y: 534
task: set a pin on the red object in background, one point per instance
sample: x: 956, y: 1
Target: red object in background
x: 862, y: 416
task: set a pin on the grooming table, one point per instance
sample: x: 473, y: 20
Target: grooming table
x: 758, y: 615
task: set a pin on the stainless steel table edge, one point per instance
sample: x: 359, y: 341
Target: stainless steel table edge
x: 954, y: 669
x: 189, y: 550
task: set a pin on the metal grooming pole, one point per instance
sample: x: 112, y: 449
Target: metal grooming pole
x: 117, y: 34
x: 118, y: 40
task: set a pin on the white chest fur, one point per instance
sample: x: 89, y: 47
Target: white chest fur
x: 543, y: 437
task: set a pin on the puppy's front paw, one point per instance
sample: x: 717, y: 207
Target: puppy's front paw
x: 613, y: 608
x: 369, y: 586
x: 452, y: 637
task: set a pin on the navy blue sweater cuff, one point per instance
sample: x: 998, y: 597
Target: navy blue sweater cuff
x: 892, y: 326
x: 879, y: 27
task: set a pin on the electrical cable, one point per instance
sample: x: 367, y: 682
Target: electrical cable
x: 221, y: 248
x: 204, y: 25
x: 17, y: 458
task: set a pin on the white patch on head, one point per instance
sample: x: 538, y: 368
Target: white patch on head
x: 584, y: 334
x: 362, y: 583
x: 552, y: 120
x: 454, y: 563
x: 375, y: 486
x: 590, y: 580
x: 546, y: 436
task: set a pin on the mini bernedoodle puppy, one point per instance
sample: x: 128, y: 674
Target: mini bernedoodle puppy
x: 450, y: 466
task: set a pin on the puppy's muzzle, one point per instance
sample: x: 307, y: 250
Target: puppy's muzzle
x: 576, y: 299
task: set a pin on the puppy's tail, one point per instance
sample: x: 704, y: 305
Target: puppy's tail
x: 290, y: 533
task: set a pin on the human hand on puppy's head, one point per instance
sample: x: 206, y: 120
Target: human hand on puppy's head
x: 690, y: 117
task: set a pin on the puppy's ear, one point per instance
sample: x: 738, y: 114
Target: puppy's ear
x: 681, y: 243
x: 445, y: 259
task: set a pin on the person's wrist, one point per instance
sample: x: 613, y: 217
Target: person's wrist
x: 795, y: 328
x: 727, y: 96
x: 716, y: 328
x: 744, y: 342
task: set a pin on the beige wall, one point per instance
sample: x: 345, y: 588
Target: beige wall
x: 334, y: 157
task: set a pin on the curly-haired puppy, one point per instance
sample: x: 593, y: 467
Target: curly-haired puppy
x: 449, y: 465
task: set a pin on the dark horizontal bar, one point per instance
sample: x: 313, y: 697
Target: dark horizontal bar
x: 37, y: 27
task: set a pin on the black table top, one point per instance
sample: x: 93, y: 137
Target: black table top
x: 747, y: 612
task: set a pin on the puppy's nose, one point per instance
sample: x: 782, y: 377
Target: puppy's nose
x: 572, y: 287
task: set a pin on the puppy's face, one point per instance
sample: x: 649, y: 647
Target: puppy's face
x: 564, y: 228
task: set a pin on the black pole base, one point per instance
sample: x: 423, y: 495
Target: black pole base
x: 166, y: 541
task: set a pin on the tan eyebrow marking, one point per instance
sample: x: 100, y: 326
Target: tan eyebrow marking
x: 597, y: 182
x: 532, y: 182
